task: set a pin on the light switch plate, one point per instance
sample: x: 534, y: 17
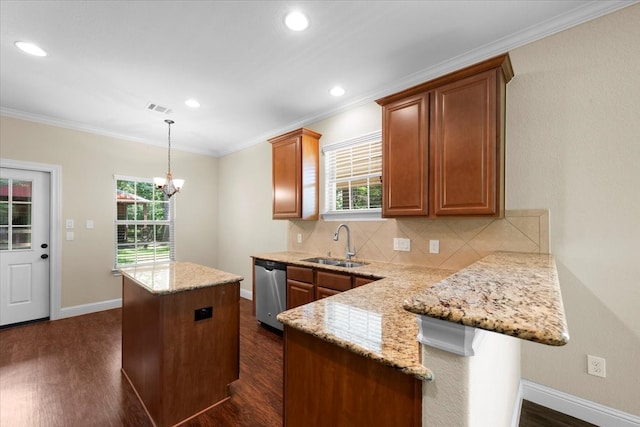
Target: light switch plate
x: 69, y: 223
x: 70, y: 235
x: 89, y: 223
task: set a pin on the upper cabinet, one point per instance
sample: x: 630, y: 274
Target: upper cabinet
x: 405, y: 129
x: 295, y: 164
x: 443, y: 144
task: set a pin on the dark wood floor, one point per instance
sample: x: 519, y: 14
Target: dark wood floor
x: 66, y: 373
x: 533, y: 415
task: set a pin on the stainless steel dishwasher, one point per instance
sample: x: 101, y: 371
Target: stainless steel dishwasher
x: 271, y: 291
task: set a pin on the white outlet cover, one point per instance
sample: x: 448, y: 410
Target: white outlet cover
x: 434, y: 246
x: 400, y: 244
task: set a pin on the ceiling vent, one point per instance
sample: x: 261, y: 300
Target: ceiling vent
x: 159, y: 108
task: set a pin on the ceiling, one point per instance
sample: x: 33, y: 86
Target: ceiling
x: 254, y: 78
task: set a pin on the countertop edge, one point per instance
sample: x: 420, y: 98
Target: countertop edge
x: 215, y: 277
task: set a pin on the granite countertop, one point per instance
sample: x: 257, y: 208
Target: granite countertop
x: 515, y: 294
x: 171, y: 277
x: 509, y: 293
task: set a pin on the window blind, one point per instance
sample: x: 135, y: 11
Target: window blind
x: 353, y: 174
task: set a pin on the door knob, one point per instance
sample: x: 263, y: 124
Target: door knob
x: 44, y: 246
x: 44, y: 256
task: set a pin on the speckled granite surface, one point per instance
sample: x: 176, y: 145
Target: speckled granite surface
x: 170, y: 277
x: 510, y: 293
x: 368, y: 320
x: 514, y: 294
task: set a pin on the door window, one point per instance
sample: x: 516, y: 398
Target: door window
x: 15, y: 214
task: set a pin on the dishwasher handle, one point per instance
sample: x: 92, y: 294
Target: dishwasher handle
x: 270, y: 265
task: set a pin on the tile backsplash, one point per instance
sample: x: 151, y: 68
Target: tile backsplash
x: 462, y: 240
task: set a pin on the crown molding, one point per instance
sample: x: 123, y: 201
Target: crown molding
x: 65, y: 124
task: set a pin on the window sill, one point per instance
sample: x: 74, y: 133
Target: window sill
x: 372, y: 215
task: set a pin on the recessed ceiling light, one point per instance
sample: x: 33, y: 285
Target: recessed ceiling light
x: 337, y: 91
x: 296, y: 21
x: 192, y: 103
x: 31, y: 49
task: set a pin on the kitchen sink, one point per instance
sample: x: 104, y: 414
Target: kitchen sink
x: 335, y: 262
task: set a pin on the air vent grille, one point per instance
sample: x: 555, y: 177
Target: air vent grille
x: 159, y: 108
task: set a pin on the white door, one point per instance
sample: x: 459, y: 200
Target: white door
x: 24, y: 245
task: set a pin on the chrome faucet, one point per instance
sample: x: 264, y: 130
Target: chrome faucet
x: 348, y: 253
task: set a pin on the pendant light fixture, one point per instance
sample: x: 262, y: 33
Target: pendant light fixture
x: 168, y: 185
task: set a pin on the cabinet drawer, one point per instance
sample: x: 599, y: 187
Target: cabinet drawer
x: 324, y: 292
x: 338, y: 282
x: 301, y: 274
x: 360, y: 281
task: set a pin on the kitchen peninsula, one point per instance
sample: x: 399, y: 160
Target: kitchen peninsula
x: 367, y: 335
x: 180, y: 337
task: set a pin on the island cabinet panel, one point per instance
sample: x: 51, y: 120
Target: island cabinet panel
x: 180, y: 366
x: 295, y: 175
x: 327, y: 385
x: 465, y: 147
x: 405, y: 157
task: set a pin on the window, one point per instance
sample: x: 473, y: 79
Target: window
x: 144, y: 230
x: 15, y: 214
x: 353, y: 177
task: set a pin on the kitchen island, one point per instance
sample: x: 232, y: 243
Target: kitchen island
x: 371, y: 323
x: 180, y: 337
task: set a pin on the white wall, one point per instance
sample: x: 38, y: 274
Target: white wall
x: 88, y: 163
x: 245, y: 227
x: 573, y: 145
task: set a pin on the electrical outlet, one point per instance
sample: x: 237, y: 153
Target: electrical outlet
x: 596, y: 366
x: 299, y: 237
x: 400, y: 244
x: 434, y: 246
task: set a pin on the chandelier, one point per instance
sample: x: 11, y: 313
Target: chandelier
x: 168, y: 185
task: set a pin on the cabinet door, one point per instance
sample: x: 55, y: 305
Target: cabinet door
x: 465, y: 151
x: 299, y: 293
x: 287, y: 176
x: 405, y: 157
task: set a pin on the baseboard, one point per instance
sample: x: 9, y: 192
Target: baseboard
x: 246, y: 294
x: 79, y: 310
x: 577, y: 407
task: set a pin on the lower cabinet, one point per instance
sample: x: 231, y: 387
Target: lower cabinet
x: 361, y: 280
x: 305, y: 285
x: 325, y: 292
x: 300, y: 286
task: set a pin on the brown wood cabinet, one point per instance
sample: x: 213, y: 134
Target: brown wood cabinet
x: 300, y: 286
x: 336, y: 281
x: 180, y: 365
x: 443, y: 144
x: 327, y: 385
x: 329, y: 283
x: 295, y: 175
x: 361, y: 281
x: 405, y: 130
